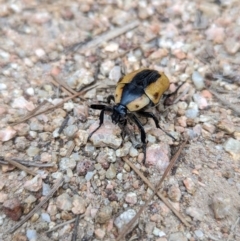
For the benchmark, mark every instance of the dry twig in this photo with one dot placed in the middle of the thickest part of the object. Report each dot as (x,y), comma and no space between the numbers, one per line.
(130,225)
(54,107)
(29,215)
(60,225)
(27,163)
(107,36)
(75,229)
(223,100)
(20,166)
(63,87)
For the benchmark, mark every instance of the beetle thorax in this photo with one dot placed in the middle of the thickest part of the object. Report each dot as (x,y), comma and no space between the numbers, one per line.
(119,113)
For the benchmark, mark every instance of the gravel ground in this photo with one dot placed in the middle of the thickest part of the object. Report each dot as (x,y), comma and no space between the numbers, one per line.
(50,52)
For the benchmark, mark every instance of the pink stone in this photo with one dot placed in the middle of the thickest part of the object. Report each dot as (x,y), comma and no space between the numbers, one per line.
(158,156)
(13,209)
(131,198)
(179,54)
(216,34)
(190,186)
(34,185)
(3,197)
(22,103)
(99,233)
(7,134)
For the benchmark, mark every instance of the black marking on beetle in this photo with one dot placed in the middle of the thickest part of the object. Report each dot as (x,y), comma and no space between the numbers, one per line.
(136,88)
(145,78)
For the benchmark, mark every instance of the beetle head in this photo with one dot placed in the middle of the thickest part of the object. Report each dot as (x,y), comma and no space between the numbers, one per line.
(119,113)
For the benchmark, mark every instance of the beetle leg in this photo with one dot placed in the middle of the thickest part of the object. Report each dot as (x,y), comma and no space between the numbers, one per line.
(143,135)
(109,98)
(151,115)
(101,117)
(123,126)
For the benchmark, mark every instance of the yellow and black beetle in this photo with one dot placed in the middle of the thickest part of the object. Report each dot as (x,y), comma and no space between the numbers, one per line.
(135,92)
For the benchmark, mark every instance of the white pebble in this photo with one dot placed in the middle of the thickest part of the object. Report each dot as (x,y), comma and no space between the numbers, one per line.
(124,218)
(119,176)
(68,106)
(157,232)
(31,235)
(3,86)
(198,80)
(89,176)
(45,217)
(40,53)
(30,91)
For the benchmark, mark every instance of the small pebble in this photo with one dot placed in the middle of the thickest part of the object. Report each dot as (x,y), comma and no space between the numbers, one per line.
(125,218)
(107,155)
(199,234)
(226,125)
(104,214)
(174,193)
(115,73)
(216,34)
(89,176)
(30,199)
(195,213)
(111,47)
(232,146)
(111,172)
(81,137)
(232,45)
(13,209)
(100,233)
(45,189)
(178,236)
(3,197)
(198,80)
(30,91)
(222,206)
(131,198)
(133,152)
(34,217)
(68,106)
(158,156)
(157,232)
(45,217)
(84,166)
(66,163)
(7,134)
(124,150)
(64,202)
(192,112)
(107,135)
(3,86)
(79,205)
(70,131)
(201,101)
(190,186)
(32,235)
(34,185)
(22,103)
(21,143)
(80,79)
(32,151)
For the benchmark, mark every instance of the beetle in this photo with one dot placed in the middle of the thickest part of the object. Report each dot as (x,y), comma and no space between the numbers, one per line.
(134,93)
